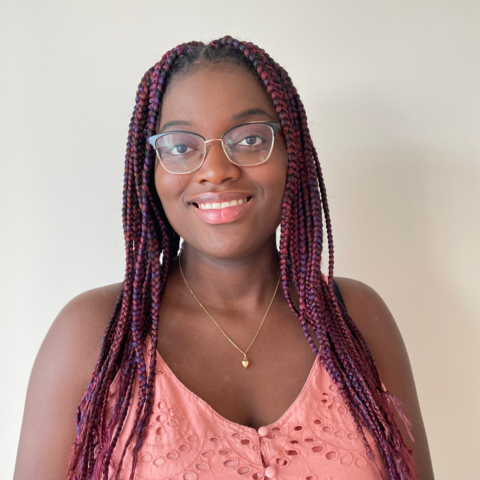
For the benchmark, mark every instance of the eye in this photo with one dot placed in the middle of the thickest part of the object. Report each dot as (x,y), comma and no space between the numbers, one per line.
(251,141)
(180,149)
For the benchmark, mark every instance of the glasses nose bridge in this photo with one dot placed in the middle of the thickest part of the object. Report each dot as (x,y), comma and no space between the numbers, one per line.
(207,146)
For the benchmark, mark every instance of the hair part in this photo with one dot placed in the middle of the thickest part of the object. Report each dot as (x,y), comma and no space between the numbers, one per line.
(205,56)
(151,245)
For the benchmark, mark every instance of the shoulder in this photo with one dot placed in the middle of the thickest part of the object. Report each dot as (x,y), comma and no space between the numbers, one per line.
(78,330)
(59,379)
(374,320)
(377,325)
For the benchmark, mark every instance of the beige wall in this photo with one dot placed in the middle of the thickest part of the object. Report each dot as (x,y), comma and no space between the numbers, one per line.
(392,94)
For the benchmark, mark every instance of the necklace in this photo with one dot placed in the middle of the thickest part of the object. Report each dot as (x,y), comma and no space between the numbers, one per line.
(245,361)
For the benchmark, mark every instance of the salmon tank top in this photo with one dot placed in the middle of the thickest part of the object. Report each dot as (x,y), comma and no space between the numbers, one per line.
(315,439)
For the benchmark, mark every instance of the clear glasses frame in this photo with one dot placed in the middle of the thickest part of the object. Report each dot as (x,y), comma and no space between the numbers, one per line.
(274,126)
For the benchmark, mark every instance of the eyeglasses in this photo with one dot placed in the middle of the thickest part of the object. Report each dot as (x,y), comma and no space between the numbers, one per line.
(245,145)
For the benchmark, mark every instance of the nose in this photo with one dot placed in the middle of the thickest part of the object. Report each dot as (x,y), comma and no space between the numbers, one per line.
(216,167)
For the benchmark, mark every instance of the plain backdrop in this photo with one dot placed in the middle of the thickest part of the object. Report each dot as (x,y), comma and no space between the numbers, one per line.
(392,93)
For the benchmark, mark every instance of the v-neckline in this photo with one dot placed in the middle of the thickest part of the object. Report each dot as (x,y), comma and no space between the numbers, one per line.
(281,420)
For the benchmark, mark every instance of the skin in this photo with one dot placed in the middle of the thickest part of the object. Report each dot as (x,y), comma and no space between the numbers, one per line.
(232,268)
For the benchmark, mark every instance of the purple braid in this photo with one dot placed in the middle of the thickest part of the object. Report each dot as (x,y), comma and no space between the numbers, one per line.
(151,245)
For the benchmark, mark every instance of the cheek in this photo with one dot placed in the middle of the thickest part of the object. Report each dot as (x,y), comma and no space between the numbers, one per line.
(169,189)
(277,177)
(271,182)
(276,182)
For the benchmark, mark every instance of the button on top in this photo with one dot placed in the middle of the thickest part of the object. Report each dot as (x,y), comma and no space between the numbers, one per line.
(263,431)
(270,472)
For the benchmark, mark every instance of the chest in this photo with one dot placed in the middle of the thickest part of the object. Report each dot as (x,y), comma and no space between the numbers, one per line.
(186,438)
(209,366)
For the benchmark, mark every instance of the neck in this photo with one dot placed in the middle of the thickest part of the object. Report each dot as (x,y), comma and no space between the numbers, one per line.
(232,283)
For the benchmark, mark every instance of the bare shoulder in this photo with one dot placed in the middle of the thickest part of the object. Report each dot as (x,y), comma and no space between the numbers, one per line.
(373,319)
(376,323)
(59,378)
(78,330)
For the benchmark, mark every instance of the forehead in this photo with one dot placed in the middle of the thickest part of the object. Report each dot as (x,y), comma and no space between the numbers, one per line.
(211,97)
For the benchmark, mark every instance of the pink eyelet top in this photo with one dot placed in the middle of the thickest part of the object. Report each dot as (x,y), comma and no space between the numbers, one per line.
(315,439)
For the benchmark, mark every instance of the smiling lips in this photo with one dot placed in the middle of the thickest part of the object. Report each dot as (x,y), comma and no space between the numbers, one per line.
(220,210)
(218,205)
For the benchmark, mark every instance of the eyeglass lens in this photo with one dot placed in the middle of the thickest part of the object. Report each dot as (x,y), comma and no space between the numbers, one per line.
(246,145)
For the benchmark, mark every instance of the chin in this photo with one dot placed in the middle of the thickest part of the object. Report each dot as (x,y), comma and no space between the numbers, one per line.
(231,240)
(222,250)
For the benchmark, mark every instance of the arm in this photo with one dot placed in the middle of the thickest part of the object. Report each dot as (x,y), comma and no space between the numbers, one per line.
(59,378)
(378,326)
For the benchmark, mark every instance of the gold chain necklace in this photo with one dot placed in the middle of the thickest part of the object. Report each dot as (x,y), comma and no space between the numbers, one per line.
(245,361)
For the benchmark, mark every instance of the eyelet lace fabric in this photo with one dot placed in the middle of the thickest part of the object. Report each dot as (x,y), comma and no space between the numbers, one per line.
(315,439)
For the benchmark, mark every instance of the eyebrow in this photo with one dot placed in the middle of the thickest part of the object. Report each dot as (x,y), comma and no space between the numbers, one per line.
(250,112)
(238,116)
(175,123)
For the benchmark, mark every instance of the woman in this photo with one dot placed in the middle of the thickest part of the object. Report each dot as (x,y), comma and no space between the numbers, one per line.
(205,367)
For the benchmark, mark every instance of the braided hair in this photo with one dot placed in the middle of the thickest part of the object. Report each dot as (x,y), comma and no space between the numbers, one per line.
(151,245)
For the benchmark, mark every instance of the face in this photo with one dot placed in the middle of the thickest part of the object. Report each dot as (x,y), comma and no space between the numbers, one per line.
(208,102)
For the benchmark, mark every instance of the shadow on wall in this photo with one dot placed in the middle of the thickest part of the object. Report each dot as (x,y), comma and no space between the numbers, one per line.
(406,219)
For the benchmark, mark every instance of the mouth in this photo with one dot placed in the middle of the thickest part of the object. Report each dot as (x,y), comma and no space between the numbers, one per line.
(225,211)
(221,205)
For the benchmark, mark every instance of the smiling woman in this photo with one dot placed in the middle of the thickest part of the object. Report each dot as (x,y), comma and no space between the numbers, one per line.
(219,155)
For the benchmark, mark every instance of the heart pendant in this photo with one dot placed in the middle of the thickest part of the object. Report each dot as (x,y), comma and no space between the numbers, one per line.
(245,363)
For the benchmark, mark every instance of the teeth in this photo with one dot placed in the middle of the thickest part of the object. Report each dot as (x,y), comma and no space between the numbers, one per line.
(217,205)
